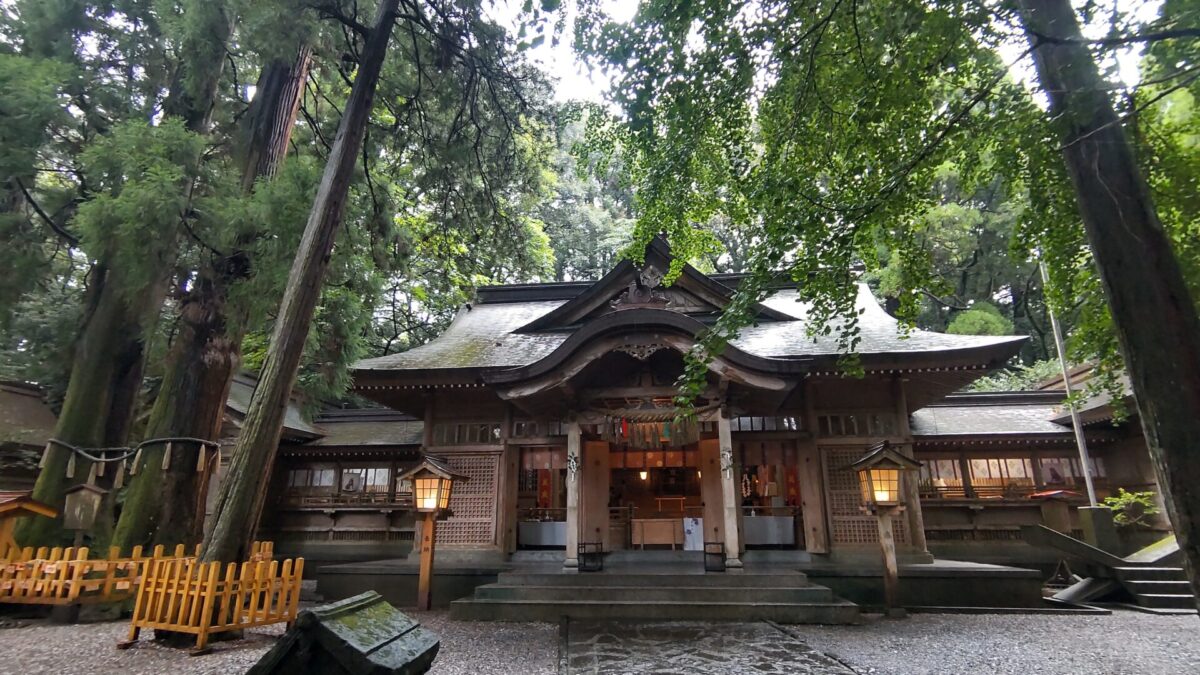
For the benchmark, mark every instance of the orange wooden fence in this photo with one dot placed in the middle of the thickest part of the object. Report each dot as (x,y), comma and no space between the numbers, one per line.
(57,576)
(187,596)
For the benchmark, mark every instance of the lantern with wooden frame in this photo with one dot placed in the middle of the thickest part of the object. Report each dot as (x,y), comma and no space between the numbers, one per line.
(880,475)
(432,482)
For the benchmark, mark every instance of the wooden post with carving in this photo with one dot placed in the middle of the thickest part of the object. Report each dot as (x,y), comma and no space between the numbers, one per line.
(571,559)
(425,580)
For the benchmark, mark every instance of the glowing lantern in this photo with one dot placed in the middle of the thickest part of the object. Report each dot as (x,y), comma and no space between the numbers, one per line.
(879,475)
(432,482)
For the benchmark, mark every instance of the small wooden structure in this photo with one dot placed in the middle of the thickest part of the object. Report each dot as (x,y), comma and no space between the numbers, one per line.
(188,596)
(14,505)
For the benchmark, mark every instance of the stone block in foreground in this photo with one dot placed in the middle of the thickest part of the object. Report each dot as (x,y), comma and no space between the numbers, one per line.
(362,635)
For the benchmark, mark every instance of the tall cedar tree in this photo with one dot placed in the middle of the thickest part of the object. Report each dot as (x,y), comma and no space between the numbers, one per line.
(109,353)
(165,506)
(242,492)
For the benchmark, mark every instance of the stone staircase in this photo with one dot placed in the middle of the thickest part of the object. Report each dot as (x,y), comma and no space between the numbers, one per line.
(1151,576)
(1157,588)
(650,593)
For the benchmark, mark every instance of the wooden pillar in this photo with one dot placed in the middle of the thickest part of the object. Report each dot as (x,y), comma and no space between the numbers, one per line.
(510,480)
(891,572)
(911,480)
(812,481)
(711,490)
(427,430)
(574,466)
(964,469)
(593,498)
(729,492)
(425,580)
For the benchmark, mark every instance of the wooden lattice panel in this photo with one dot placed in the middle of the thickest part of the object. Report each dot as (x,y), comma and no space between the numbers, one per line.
(473,502)
(850,524)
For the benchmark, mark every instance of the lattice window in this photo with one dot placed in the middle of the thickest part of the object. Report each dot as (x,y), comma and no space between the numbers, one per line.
(856,424)
(787,423)
(466,433)
(850,524)
(473,502)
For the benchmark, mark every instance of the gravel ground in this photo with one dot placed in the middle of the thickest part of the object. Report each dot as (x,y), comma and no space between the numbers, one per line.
(468,648)
(41,647)
(1123,643)
(485,648)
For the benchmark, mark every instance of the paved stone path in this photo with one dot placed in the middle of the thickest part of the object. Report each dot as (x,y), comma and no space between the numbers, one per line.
(690,648)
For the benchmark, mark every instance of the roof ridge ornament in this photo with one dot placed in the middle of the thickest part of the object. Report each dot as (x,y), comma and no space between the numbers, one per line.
(643,291)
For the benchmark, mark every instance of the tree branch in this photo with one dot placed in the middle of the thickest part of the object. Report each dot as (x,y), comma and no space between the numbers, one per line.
(71,239)
(1155,36)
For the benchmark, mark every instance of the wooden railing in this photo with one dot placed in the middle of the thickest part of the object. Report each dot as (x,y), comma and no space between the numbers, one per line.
(187,596)
(57,576)
(348,500)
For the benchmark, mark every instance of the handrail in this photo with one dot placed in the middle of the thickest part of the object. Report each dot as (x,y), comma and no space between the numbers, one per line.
(349,499)
(753,511)
(542,515)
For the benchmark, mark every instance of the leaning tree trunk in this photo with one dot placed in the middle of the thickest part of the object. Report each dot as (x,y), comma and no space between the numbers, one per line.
(1153,312)
(106,369)
(166,506)
(244,488)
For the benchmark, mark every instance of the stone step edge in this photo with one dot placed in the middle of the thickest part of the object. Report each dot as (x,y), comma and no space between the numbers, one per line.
(816,587)
(836,602)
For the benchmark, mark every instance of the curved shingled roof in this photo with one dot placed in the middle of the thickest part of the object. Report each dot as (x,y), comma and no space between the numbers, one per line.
(487,336)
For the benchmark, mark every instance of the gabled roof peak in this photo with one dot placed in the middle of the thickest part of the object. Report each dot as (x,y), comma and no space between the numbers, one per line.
(640,286)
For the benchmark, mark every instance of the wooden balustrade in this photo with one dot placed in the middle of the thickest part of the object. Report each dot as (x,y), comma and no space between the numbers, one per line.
(187,596)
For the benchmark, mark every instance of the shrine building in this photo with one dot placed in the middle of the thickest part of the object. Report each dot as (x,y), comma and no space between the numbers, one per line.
(557,401)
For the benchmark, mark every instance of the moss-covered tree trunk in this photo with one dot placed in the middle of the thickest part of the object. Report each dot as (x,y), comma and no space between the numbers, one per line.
(167,506)
(106,368)
(243,491)
(1154,315)
(110,326)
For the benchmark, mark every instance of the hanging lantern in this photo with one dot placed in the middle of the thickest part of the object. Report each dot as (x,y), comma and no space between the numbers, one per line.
(879,475)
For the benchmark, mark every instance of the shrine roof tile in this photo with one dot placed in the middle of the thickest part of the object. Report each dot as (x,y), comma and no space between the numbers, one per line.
(486,336)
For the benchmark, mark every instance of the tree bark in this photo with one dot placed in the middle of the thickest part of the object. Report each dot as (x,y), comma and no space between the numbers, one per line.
(167,506)
(106,370)
(1153,312)
(243,491)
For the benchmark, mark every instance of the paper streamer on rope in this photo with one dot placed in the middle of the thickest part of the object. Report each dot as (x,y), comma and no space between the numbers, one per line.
(45,453)
(166,463)
(71,466)
(137,461)
(201,458)
(119,479)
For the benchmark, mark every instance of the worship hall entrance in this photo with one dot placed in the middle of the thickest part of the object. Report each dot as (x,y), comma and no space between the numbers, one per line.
(660,498)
